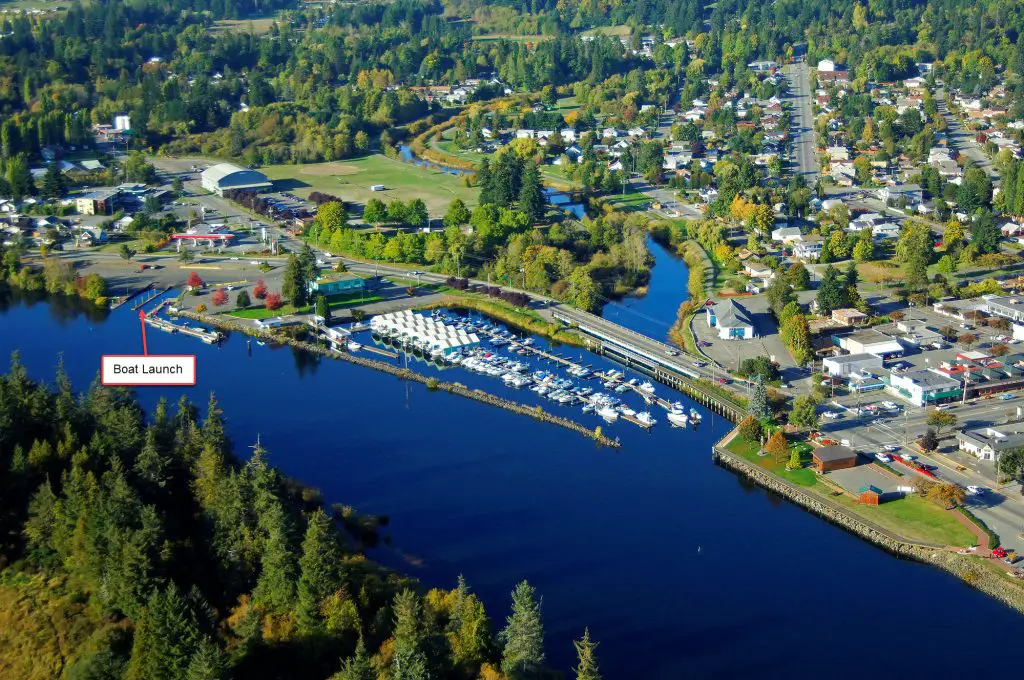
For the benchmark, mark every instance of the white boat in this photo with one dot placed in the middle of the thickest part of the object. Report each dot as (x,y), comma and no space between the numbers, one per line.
(694,416)
(588,408)
(608,413)
(647,387)
(627,411)
(354,346)
(646,419)
(678,418)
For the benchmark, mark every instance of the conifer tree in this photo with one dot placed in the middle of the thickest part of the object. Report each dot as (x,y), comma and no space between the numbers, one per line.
(357,667)
(523,636)
(758,404)
(586,667)
(531,198)
(318,566)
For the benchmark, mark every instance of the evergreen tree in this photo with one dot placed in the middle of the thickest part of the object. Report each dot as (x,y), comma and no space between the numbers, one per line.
(985,235)
(409,661)
(586,666)
(319,577)
(54,183)
(758,403)
(208,662)
(275,589)
(357,667)
(293,283)
(830,291)
(485,182)
(19,178)
(523,636)
(323,308)
(166,638)
(531,198)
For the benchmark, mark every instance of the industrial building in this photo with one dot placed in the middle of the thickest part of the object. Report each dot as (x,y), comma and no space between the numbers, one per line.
(849,364)
(870,341)
(225,176)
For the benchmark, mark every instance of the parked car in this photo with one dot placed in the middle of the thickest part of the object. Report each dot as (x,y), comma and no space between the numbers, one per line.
(891,448)
(973,490)
(909,457)
(999,552)
(1008,397)
(883,458)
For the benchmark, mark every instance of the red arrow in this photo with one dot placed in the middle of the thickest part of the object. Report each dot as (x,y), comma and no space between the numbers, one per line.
(142,320)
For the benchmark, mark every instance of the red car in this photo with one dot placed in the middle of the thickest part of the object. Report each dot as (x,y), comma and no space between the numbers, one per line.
(999,552)
(723,381)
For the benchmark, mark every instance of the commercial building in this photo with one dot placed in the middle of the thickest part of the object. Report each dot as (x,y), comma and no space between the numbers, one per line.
(849,317)
(224,176)
(731,319)
(988,442)
(850,364)
(829,458)
(1008,306)
(925,387)
(98,202)
(870,342)
(337,284)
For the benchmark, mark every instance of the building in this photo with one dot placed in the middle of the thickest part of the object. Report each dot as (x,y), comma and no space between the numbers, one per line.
(865,381)
(786,235)
(924,387)
(337,284)
(1008,306)
(851,364)
(98,202)
(225,176)
(829,458)
(869,495)
(988,442)
(731,319)
(905,194)
(849,317)
(808,248)
(826,66)
(870,341)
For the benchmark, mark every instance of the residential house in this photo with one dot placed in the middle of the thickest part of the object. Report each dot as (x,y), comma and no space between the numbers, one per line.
(988,442)
(731,319)
(808,248)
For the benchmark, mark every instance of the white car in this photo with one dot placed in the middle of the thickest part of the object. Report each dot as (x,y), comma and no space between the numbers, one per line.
(909,457)
(883,458)
(255,262)
(830,415)
(974,490)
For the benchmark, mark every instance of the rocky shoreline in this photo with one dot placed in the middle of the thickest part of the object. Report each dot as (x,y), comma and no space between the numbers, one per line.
(535,412)
(966,567)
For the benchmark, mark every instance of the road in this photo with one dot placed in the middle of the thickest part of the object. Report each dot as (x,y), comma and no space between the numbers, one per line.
(802,136)
(963,140)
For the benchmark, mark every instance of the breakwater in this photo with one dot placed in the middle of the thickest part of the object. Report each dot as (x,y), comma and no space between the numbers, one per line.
(535,412)
(989,578)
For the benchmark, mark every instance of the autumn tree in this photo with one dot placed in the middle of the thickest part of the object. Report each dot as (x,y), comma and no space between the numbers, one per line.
(777,446)
(194,280)
(259,291)
(220,297)
(273,301)
(750,429)
(940,420)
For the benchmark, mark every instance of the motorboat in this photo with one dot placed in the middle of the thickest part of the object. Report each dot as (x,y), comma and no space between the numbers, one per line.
(608,413)
(647,387)
(627,411)
(678,417)
(646,419)
(353,346)
(622,388)
(694,416)
(589,408)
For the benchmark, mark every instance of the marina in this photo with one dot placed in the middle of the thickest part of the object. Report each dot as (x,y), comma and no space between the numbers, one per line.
(207,336)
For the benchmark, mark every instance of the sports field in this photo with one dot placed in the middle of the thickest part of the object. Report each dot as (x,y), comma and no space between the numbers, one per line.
(352,179)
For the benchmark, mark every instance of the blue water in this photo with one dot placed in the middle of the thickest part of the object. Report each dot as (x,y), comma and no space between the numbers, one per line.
(654,312)
(406,154)
(678,567)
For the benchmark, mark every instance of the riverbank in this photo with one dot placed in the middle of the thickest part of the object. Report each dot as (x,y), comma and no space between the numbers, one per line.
(524,320)
(985,575)
(535,412)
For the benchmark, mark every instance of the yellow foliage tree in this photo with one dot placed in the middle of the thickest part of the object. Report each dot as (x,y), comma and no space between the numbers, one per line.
(777,446)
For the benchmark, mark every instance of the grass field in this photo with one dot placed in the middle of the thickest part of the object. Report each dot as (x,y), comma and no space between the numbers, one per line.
(336,302)
(630,201)
(911,517)
(256,26)
(351,180)
(513,37)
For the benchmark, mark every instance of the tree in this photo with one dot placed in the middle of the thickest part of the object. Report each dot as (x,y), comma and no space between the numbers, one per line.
(777,446)
(985,235)
(758,403)
(242,300)
(358,666)
(259,291)
(795,463)
(273,301)
(457,214)
(803,414)
(126,251)
(138,169)
(416,212)
(323,308)
(762,368)
(750,429)
(19,177)
(178,186)
(965,340)
(319,577)
(586,665)
(375,211)
(54,182)
(941,420)
(830,291)
(943,493)
(999,350)
(779,294)
(195,281)
(583,291)
(220,297)
(331,215)
(531,198)
(930,441)
(294,283)
(523,636)
(1011,463)
(798,276)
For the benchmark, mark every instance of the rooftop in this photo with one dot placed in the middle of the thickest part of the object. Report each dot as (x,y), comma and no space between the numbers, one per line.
(830,453)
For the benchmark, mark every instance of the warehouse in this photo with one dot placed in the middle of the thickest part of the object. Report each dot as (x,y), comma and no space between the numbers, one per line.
(849,364)
(870,341)
(224,176)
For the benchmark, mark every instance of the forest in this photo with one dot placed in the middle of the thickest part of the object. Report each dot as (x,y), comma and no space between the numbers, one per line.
(165,557)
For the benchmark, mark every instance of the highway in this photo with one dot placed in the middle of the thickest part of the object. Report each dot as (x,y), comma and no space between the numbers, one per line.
(802,136)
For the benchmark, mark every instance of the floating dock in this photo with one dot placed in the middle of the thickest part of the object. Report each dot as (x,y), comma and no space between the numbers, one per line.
(148,297)
(209,337)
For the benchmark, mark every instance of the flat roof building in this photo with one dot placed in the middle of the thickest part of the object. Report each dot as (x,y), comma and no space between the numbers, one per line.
(870,341)
(225,176)
(1009,306)
(925,387)
(849,364)
(337,284)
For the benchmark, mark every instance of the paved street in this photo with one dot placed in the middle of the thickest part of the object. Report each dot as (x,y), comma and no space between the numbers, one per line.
(803,140)
(963,140)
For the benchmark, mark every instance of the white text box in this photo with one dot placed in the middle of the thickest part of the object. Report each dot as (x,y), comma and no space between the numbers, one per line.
(148,370)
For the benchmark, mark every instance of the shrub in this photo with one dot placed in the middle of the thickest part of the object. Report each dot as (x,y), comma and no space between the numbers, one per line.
(201,308)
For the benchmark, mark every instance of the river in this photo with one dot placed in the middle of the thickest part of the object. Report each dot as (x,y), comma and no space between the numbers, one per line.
(654,312)
(679,568)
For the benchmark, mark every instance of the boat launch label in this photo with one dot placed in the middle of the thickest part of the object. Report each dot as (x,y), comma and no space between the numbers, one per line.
(140,370)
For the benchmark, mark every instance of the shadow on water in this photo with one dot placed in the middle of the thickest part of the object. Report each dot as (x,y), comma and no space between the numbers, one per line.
(62,309)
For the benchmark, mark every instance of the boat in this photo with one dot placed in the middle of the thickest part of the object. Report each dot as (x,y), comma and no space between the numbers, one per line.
(589,408)
(678,418)
(353,346)
(646,419)
(622,388)
(647,387)
(694,416)
(627,411)
(608,413)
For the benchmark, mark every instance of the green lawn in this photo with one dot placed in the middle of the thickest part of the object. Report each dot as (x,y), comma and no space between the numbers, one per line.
(631,201)
(335,302)
(352,179)
(911,517)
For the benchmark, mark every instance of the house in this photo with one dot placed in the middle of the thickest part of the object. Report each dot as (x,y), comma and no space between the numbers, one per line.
(758,271)
(731,319)
(525,134)
(337,284)
(885,230)
(828,458)
(849,317)
(786,235)
(826,66)
(1012,229)
(909,194)
(226,176)
(850,364)
(988,442)
(808,247)
(838,153)
(924,387)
